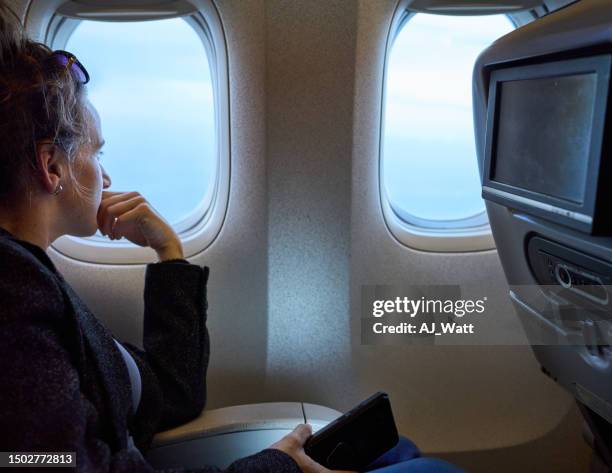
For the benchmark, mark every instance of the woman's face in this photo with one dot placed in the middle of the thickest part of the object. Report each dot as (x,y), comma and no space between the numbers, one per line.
(91,179)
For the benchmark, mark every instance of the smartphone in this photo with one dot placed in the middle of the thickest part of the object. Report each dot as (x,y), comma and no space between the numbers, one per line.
(357,438)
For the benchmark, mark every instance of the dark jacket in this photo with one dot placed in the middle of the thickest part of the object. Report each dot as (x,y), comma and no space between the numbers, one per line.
(64,386)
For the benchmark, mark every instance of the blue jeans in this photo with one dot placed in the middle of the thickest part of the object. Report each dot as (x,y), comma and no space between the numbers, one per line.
(405,457)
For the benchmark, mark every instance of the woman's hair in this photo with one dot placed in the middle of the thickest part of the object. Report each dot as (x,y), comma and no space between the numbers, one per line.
(39,100)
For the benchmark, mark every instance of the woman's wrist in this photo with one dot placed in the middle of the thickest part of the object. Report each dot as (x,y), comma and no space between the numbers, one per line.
(170,251)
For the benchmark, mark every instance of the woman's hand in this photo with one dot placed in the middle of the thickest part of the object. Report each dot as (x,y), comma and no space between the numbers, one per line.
(293,445)
(129,215)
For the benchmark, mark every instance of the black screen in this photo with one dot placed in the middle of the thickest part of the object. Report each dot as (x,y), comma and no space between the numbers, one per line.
(544,134)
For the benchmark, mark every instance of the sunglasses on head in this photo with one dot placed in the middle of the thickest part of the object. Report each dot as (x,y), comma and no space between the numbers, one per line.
(72,64)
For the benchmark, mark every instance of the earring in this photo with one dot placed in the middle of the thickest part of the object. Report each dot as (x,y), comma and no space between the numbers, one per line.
(58,189)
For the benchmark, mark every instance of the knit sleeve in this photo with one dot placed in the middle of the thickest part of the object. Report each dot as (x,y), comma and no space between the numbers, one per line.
(174,361)
(268,460)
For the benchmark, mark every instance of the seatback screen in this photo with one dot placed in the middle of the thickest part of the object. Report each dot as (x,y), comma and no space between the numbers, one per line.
(543,134)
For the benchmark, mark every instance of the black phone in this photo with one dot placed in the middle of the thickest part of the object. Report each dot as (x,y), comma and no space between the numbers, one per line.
(357,438)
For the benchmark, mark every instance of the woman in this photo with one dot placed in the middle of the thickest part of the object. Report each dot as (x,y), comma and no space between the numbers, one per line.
(66,384)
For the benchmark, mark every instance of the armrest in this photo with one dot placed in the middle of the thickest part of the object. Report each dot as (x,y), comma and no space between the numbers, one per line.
(266,416)
(220,436)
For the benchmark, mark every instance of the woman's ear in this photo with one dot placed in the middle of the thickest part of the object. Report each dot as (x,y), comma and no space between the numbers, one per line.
(50,166)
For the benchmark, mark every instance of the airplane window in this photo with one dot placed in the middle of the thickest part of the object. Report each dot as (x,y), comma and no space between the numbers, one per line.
(429,166)
(151,84)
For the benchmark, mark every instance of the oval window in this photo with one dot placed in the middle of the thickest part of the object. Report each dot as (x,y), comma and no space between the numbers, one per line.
(429,165)
(151,84)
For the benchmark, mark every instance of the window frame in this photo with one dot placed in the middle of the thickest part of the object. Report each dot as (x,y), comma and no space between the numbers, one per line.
(198,230)
(412,231)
